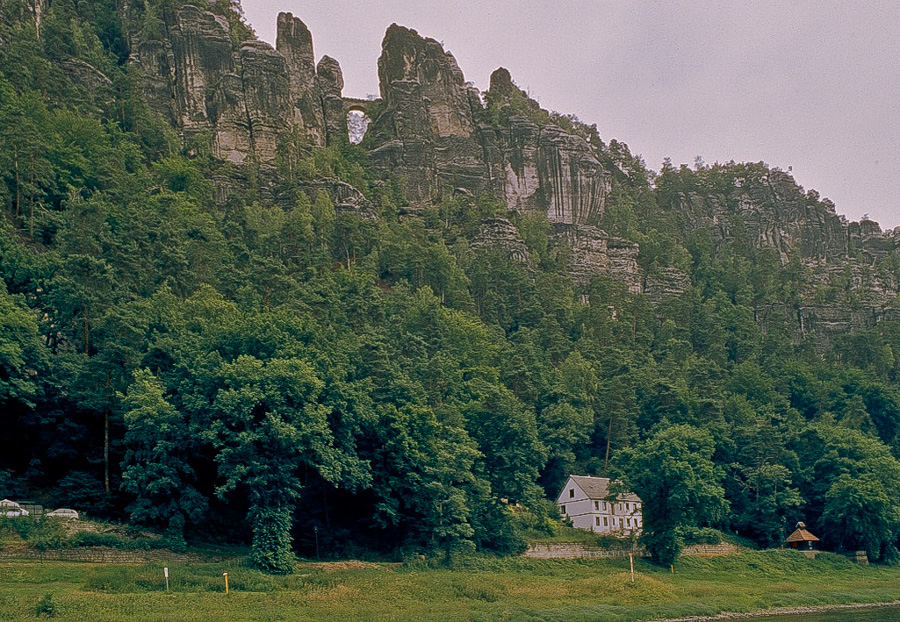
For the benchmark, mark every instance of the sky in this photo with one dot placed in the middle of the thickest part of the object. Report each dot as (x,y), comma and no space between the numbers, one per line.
(814,86)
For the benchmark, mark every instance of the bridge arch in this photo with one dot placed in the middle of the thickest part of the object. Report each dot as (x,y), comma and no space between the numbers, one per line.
(357,113)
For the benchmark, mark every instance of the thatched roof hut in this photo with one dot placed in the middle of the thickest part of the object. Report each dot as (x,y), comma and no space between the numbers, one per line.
(801,538)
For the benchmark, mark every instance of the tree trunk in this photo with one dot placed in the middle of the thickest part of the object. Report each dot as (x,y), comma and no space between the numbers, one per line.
(106,451)
(608,442)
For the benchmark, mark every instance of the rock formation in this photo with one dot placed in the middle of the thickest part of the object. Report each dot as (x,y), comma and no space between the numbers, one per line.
(295,43)
(427,126)
(542,167)
(501,234)
(767,211)
(240,98)
(437,136)
(842,290)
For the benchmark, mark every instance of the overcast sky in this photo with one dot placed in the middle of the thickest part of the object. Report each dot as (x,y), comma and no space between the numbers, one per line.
(810,85)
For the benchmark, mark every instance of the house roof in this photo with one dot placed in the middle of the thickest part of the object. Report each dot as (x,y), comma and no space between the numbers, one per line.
(801,535)
(598,488)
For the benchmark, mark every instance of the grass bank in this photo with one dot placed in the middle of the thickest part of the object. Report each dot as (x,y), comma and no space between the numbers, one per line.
(477,589)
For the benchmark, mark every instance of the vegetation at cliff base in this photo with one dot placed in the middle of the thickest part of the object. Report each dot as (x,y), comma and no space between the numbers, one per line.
(230,354)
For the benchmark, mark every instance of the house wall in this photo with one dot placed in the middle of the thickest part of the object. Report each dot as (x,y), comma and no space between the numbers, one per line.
(598,516)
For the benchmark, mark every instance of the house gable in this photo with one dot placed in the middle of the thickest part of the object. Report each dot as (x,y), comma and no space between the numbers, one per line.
(586,502)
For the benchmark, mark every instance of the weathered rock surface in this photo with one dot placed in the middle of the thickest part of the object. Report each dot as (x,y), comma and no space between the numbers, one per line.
(435,135)
(427,124)
(543,168)
(665,283)
(295,43)
(330,83)
(501,234)
(843,288)
(768,211)
(594,252)
(241,99)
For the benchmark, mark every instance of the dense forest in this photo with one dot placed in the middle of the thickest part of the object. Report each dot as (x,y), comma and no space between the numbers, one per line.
(234,367)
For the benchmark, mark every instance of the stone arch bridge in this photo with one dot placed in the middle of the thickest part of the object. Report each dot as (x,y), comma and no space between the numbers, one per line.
(366,106)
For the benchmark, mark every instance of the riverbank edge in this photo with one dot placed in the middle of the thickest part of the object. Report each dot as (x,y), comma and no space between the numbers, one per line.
(781,611)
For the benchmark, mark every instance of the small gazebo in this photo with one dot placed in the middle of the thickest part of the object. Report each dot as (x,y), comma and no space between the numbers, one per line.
(801,538)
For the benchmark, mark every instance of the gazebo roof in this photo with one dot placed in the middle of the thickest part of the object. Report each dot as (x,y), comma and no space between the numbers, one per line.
(801,535)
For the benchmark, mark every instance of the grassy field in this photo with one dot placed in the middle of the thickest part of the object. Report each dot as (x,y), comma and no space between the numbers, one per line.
(477,589)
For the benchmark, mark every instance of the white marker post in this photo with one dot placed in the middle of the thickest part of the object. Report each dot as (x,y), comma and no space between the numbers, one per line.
(166,574)
(631,560)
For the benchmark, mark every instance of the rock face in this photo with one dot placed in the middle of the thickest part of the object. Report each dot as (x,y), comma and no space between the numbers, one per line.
(426,131)
(842,290)
(433,132)
(593,251)
(768,211)
(330,82)
(437,136)
(666,283)
(240,99)
(294,42)
(542,167)
(500,234)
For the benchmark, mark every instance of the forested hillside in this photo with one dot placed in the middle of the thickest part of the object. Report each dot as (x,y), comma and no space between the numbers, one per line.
(220,318)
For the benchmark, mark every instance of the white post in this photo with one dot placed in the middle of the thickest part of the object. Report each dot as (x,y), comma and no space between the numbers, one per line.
(631,561)
(166,573)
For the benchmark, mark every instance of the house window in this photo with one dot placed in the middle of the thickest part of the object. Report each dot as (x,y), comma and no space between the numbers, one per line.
(596,505)
(628,521)
(597,519)
(571,492)
(604,506)
(605,522)
(562,509)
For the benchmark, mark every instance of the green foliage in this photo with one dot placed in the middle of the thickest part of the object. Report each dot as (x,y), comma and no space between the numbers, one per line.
(46,534)
(46,607)
(272,540)
(224,352)
(679,486)
(117,541)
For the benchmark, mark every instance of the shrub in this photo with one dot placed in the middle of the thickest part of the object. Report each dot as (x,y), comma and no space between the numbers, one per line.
(46,607)
(92,538)
(46,534)
(700,535)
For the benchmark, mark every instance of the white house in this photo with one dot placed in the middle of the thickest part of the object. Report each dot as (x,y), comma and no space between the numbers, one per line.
(584,501)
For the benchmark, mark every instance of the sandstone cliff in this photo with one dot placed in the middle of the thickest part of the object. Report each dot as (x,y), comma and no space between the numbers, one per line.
(240,98)
(439,137)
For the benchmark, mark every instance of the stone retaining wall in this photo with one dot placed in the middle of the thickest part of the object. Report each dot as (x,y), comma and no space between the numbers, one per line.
(105,555)
(569,550)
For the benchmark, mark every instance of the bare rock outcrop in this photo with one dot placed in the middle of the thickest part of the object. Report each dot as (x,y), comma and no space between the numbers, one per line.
(500,234)
(427,125)
(542,167)
(665,283)
(765,208)
(594,252)
(243,98)
(294,41)
(330,83)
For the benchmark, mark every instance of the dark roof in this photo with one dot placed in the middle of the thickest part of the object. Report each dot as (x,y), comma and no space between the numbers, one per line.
(598,488)
(801,535)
